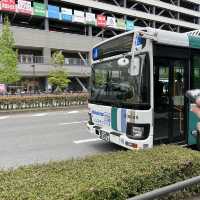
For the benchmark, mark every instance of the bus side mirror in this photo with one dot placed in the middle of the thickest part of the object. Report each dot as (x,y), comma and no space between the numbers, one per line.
(135,66)
(122,62)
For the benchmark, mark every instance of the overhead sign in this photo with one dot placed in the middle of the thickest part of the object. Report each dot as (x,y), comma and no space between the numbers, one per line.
(95,54)
(66,14)
(129,25)
(39,9)
(53,12)
(8,5)
(139,41)
(24,7)
(101,21)
(79,16)
(90,19)
(121,24)
(111,22)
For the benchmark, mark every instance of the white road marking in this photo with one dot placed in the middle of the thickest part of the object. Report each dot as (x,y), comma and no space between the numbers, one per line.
(73,112)
(4,117)
(69,123)
(87,140)
(39,114)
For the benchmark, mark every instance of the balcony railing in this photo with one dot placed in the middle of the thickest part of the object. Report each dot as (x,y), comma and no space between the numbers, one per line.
(31,59)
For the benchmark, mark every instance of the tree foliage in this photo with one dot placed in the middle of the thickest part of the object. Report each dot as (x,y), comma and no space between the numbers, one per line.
(58,58)
(100,79)
(58,77)
(8,56)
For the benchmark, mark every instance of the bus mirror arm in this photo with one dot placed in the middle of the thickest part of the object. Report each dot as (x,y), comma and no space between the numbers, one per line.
(134,67)
(131,70)
(136,63)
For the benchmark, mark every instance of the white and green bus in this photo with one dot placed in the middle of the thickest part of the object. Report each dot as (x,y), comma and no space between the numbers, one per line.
(138,82)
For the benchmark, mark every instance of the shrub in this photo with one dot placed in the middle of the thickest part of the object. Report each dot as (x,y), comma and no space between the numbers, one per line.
(111,176)
(43,101)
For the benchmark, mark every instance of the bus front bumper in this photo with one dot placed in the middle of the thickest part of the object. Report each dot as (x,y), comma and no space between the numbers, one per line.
(119,138)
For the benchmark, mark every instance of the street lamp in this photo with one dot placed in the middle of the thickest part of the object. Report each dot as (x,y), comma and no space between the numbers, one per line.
(33,67)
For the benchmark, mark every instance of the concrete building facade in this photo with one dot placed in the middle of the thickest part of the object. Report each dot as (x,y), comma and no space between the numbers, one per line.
(41,27)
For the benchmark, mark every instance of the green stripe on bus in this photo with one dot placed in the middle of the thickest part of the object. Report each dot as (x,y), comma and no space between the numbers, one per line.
(114,118)
(194,41)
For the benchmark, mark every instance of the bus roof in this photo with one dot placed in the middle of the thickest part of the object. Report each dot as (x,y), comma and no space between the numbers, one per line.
(188,39)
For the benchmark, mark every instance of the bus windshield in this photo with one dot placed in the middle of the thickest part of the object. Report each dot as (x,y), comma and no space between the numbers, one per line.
(113,85)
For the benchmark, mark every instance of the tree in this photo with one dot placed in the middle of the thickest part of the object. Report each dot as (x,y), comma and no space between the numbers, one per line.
(8,56)
(58,59)
(58,77)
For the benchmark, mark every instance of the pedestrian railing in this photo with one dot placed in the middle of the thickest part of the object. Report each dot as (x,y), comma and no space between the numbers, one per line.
(161,192)
(31,59)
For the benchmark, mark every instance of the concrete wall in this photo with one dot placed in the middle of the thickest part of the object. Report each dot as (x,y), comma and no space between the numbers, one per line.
(33,38)
(41,70)
(26,37)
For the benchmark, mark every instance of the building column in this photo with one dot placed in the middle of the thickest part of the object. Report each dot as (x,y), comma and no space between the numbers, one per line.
(48,87)
(125,3)
(90,27)
(199,17)
(178,16)
(125,6)
(154,12)
(46,20)
(47,55)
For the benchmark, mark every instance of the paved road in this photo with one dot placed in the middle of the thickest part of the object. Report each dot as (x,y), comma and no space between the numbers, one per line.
(41,137)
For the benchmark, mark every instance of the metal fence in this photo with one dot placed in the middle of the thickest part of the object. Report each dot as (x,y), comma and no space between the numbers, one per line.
(161,192)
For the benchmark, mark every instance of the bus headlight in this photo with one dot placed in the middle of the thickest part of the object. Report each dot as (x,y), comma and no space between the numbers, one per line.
(137,131)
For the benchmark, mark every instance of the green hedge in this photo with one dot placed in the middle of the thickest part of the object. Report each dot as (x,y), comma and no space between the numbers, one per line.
(111,176)
(43,101)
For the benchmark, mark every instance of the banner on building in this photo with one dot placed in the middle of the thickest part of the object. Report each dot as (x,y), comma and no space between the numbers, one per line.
(101,21)
(66,14)
(121,24)
(111,22)
(8,5)
(90,19)
(53,12)
(129,25)
(24,6)
(79,16)
(39,9)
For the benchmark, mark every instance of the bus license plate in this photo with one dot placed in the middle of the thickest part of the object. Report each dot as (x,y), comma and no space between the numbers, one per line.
(104,136)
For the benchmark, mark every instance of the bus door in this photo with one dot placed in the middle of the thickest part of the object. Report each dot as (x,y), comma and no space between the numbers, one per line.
(194,84)
(169,99)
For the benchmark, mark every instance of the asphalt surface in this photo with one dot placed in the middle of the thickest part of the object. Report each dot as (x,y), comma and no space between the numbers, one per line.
(35,138)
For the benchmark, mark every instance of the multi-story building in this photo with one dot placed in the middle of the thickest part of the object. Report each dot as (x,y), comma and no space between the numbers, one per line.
(41,27)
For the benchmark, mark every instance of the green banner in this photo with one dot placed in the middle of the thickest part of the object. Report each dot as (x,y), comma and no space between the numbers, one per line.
(121,24)
(39,9)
